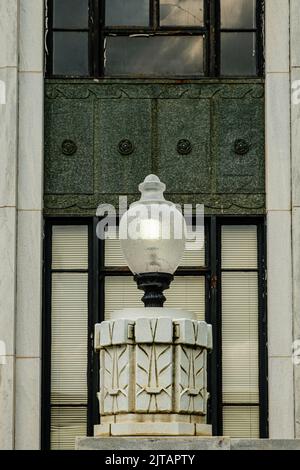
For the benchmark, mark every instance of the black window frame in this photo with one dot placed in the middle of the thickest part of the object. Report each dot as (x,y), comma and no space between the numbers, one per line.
(213,315)
(211,32)
(93,317)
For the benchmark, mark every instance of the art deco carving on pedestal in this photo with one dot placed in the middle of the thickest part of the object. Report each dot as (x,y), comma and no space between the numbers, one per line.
(153,370)
(154,365)
(115,367)
(190,360)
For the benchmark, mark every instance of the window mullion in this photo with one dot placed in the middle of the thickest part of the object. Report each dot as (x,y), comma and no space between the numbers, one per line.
(213,9)
(154,9)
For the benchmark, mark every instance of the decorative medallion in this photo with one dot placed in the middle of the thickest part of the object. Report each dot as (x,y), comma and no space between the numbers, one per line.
(184,147)
(241,147)
(68,147)
(126,147)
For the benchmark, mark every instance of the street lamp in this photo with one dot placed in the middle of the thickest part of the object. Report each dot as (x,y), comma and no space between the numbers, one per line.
(153,361)
(152,236)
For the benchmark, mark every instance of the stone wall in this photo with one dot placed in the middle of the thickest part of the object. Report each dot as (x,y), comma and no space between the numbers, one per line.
(21,153)
(295,162)
(282,168)
(21,181)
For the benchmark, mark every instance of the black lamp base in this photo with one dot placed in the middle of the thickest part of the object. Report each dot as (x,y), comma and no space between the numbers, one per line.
(153,284)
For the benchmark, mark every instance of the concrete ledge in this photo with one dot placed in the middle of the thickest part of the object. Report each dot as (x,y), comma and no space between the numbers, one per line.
(265,444)
(152,443)
(183,443)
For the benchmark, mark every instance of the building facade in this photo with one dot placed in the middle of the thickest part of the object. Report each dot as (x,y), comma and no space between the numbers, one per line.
(93,99)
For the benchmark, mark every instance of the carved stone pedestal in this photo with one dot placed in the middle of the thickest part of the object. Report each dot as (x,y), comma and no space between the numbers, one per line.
(153,373)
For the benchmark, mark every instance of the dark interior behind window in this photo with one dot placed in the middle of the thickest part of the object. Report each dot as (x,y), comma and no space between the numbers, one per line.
(154,38)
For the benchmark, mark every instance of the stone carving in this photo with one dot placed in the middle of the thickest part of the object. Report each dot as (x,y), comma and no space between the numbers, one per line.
(115,366)
(154,116)
(153,372)
(154,364)
(184,147)
(241,147)
(125,147)
(191,380)
(115,371)
(190,362)
(68,147)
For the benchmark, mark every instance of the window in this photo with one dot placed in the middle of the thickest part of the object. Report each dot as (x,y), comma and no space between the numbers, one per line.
(154,38)
(240,330)
(86,279)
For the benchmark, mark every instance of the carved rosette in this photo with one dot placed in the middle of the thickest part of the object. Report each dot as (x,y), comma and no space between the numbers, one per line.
(153,376)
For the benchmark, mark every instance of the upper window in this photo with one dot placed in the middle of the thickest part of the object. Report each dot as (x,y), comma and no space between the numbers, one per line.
(154,38)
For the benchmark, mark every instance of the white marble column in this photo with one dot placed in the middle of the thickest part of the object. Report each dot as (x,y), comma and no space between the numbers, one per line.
(30,226)
(8,216)
(21,195)
(295,148)
(278,188)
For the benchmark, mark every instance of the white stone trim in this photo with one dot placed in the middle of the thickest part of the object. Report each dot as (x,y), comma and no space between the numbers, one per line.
(21,196)
(283,197)
(295,149)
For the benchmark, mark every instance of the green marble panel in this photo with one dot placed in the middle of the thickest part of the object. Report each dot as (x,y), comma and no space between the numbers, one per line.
(239,144)
(187,120)
(117,121)
(223,120)
(69,130)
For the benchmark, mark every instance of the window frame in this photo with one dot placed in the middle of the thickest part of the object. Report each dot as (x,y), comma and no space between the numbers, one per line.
(211,32)
(216,321)
(93,317)
(213,315)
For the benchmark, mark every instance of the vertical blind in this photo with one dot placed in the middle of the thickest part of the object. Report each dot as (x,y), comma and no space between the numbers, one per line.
(69,323)
(240,361)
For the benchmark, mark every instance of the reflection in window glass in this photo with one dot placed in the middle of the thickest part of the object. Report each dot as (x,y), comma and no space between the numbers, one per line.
(238,54)
(70,14)
(181,12)
(70,53)
(127,13)
(154,56)
(238,14)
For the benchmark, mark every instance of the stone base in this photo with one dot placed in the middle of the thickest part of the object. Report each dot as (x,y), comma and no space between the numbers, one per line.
(183,443)
(152,443)
(152,429)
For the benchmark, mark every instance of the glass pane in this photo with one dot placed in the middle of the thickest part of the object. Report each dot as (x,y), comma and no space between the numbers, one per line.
(69,333)
(241,421)
(187,292)
(238,14)
(240,337)
(154,56)
(66,425)
(127,13)
(238,54)
(121,292)
(181,12)
(70,14)
(70,53)
(69,247)
(239,246)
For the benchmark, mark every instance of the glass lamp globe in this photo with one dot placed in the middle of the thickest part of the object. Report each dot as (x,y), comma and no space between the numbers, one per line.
(152,237)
